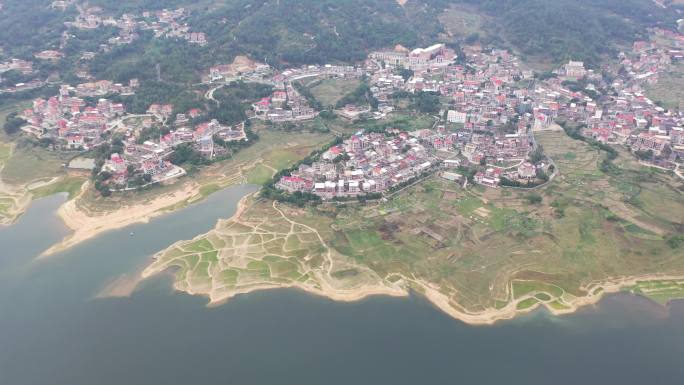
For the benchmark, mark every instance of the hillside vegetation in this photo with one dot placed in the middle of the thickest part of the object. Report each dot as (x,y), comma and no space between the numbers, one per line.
(293,32)
(314,31)
(278,32)
(559,30)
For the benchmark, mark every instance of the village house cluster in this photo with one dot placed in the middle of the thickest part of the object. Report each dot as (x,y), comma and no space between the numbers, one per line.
(286,104)
(257,72)
(25,68)
(493,108)
(364,164)
(105,87)
(488,124)
(68,120)
(164,24)
(377,163)
(622,113)
(488,103)
(71,123)
(419,59)
(149,160)
(483,92)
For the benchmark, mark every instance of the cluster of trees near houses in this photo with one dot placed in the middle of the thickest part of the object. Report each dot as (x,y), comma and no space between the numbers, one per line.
(309,96)
(230,106)
(424,101)
(233,101)
(606,164)
(13,123)
(361,96)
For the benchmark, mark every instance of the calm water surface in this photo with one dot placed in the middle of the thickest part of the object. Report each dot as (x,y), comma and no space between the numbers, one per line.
(54,331)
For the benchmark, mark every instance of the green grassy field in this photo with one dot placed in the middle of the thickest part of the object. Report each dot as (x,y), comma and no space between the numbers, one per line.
(70,184)
(659,291)
(526,304)
(329,91)
(403,121)
(259,175)
(29,163)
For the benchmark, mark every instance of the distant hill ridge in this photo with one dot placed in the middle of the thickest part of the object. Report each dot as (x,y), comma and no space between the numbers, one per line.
(294,32)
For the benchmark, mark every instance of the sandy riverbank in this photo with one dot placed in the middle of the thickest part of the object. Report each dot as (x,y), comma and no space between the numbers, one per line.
(442,302)
(86,226)
(490,316)
(218,298)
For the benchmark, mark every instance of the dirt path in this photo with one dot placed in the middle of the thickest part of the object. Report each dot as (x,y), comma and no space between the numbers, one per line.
(320,238)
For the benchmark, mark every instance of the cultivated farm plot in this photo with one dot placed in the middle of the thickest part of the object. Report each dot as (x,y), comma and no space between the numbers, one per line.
(645,197)
(257,250)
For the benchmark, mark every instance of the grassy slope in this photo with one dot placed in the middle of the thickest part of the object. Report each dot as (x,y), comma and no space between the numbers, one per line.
(669,89)
(30,163)
(329,91)
(69,184)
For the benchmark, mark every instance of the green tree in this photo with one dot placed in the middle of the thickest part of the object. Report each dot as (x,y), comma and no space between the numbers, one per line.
(13,123)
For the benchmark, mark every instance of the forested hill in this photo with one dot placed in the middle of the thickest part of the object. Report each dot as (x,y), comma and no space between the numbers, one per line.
(298,31)
(558,30)
(27,26)
(293,32)
(315,31)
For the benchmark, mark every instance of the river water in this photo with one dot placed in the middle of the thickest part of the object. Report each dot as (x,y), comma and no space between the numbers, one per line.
(55,330)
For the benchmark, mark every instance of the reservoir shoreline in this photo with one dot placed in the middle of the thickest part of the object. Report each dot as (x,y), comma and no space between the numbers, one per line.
(402,288)
(53,325)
